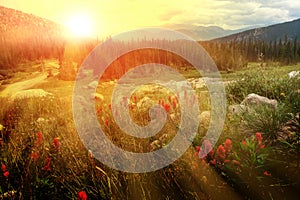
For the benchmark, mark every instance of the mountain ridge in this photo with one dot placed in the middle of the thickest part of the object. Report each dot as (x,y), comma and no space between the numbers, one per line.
(290,29)
(203,33)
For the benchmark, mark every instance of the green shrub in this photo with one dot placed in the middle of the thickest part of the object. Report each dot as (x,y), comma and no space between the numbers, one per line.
(266,120)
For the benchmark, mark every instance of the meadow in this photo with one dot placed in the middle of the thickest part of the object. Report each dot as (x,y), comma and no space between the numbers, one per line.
(256,156)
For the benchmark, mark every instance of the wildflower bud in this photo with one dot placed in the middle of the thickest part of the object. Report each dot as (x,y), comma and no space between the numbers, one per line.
(82,195)
(56,142)
(6,174)
(3,167)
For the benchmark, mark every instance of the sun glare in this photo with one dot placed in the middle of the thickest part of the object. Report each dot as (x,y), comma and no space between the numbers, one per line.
(80,25)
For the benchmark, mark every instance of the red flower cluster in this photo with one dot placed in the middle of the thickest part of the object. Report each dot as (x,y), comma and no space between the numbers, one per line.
(34,156)
(221,152)
(39,138)
(244,143)
(167,107)
(259,139)
(221,156)
(5,171)
(228,145)
(82,195)
(99,110)
(267,173)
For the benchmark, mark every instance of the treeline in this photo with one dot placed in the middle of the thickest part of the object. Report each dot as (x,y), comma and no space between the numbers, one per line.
(236,54)
(27,37)
(157,51)
(20,45)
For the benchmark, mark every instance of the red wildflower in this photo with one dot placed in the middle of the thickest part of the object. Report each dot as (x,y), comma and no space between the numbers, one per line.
(213,162)
(267,173)
(106,122)
(228,145)
(244,143)
(3,167)
(47,165)
(221,152)
(131,107)
(34,156)
(134,99)
(39,139)
(56,142)
(6,174)
(99,110)
(226,161)
(258,137)
(169,98)
(174,104)
(167,107)
(82,195)
(198,149)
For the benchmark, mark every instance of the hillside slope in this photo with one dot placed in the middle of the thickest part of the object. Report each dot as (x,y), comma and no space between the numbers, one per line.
(291,30)
(27,37)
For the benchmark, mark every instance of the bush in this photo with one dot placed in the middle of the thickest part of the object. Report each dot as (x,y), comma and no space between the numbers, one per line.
(266,120)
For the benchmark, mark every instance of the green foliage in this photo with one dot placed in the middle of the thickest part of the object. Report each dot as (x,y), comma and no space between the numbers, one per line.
(268,83)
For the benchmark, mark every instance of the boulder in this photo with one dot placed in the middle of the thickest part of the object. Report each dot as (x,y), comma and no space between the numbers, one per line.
(236,109)
(205,119)
(255,100)
(293,74)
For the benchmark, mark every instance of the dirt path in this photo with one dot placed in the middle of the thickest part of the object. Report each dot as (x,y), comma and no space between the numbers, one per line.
(22,85)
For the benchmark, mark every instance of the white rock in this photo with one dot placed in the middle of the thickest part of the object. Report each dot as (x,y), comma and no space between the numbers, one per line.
(205,119)
(254,99)
(236,109)
(293,74)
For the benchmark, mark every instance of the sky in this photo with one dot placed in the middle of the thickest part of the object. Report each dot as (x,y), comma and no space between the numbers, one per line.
(108,17)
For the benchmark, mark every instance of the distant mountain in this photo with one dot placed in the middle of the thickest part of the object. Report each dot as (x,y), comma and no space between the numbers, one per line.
(202,33)
(291,30)
(11,20)
(27,37)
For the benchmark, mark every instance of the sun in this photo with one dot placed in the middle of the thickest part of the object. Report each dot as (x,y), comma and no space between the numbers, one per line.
(80,25)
